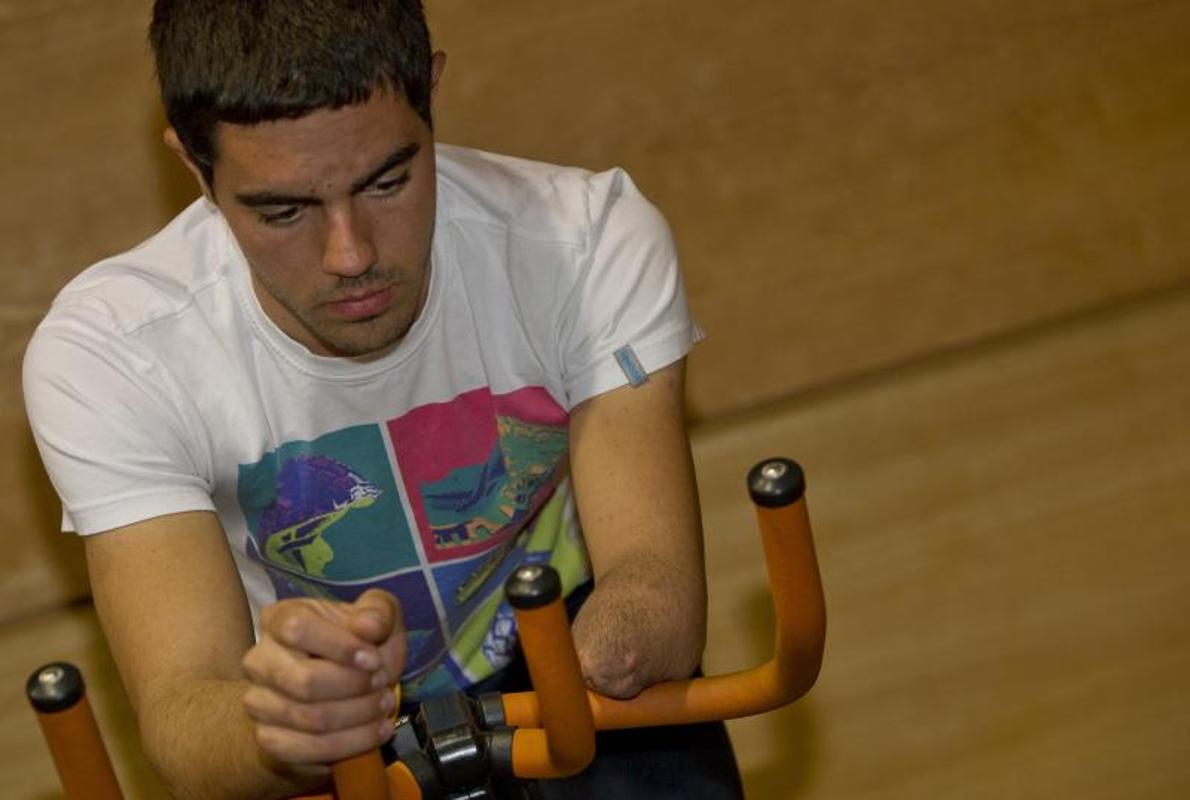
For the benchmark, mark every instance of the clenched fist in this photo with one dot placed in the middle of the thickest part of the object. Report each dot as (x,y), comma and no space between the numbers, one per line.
(321,675)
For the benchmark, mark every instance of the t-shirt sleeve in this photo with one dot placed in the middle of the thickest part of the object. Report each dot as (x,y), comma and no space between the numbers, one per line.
(111,431)
(626,316)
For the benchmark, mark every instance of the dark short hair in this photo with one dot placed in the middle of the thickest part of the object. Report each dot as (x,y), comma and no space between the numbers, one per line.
(249,61)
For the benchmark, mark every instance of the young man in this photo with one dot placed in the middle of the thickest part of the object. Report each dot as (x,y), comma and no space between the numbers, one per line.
(310,427)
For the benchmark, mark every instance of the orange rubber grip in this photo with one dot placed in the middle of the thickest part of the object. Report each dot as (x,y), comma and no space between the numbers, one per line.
(366,778)
(79,753)
(362,778)
(800,639)
(561,741)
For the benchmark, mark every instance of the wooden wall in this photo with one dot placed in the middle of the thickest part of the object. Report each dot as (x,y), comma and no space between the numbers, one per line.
(864,194)
(84,176)
(854,184)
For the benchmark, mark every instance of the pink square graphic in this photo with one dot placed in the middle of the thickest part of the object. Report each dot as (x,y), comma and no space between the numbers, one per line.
(477,468)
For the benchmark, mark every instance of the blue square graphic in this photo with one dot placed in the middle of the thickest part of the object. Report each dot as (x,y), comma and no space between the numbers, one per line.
(327,510)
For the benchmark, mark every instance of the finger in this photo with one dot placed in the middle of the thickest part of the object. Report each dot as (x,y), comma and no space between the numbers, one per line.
(318,629)
(393,654)
(376,606)
(268,707)
(307,679)
(375,615)
(297,747)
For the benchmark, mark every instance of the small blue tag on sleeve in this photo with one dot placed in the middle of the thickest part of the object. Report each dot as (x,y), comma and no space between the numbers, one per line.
(626,358)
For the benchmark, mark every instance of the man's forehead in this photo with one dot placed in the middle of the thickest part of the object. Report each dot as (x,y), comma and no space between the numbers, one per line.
(349,139)
(381,110)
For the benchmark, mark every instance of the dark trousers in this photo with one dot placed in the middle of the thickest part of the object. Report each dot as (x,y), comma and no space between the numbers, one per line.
(680,761)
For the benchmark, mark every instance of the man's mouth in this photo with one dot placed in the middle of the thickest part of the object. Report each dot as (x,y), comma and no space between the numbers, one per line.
(362,306)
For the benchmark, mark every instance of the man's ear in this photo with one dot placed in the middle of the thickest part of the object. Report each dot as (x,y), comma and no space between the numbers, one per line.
(437,65)
(174,143)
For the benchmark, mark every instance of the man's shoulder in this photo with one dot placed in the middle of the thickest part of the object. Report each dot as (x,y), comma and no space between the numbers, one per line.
(532,199)
(537,200)
(157,279)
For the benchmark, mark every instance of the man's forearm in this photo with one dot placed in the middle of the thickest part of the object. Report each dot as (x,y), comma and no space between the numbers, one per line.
(645,622)
(203,744)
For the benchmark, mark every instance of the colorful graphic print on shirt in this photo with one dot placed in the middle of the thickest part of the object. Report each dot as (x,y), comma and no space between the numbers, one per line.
(470,490)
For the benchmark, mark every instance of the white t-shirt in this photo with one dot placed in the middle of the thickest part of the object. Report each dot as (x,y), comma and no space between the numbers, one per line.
(156,384)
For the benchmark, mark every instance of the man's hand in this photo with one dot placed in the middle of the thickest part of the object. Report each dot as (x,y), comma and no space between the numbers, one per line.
(320,678)
(208,728)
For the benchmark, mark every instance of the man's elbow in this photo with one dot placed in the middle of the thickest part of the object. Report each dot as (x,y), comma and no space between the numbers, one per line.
(185,726)
(632,669)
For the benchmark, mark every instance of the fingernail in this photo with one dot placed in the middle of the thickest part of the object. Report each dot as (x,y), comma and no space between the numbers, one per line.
(366,660)
(379,679)
(386,702)
(372,613)
(386,730)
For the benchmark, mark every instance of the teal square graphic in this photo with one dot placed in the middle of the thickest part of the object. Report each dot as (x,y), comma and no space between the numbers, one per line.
(328,510)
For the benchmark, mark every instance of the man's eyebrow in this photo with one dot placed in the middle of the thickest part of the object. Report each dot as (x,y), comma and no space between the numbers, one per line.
(399,157)
(269,198)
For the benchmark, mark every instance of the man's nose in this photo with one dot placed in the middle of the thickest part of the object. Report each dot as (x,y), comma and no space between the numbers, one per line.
(348,250)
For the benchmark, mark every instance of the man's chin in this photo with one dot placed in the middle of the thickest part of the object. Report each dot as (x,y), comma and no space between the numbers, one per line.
(356,342)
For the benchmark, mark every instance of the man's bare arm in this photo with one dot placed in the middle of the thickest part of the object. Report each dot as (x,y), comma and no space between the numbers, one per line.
(638,503)
(171,604)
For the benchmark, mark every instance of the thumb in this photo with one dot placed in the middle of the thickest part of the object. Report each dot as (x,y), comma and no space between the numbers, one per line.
(375,615)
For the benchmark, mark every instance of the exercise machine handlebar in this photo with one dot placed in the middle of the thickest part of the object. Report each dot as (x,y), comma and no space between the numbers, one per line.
(555,722)
(554,725)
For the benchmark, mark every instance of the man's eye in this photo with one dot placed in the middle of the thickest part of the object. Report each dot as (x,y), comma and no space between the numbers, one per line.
(281,216)
(389,185)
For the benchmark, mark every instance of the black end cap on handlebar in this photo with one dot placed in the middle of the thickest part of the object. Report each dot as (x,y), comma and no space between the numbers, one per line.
(776,482)
(533,586)
(55,687)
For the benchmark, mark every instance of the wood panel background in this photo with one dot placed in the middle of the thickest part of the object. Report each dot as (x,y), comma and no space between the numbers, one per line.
(942,253)
(858,181)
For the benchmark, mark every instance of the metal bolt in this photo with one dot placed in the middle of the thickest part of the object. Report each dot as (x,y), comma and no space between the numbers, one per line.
(774,470)
(529,572)
(51,677)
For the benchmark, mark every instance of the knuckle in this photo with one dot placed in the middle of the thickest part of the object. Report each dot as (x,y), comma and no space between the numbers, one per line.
(254,702)
(290,628)
(304,684)
(250,663)
(382,600)
(297,683)
(268,738)
(311,718)
(380,736)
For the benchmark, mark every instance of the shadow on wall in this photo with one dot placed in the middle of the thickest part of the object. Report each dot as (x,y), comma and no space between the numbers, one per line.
(64,566)
(118,725)
(791,772)
(790,737)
